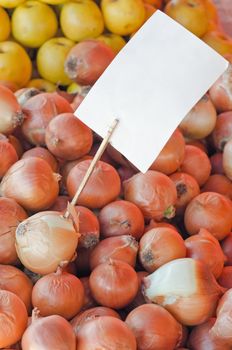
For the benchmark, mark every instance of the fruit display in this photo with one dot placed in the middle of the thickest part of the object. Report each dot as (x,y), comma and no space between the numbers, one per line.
(142,260)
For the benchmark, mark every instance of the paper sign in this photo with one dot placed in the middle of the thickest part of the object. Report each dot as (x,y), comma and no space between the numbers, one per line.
(150,86)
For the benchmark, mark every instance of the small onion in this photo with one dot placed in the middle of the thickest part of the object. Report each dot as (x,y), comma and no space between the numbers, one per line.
(47,333)
(121,218)
(150,323)
(159,246)
(218,183)
(58,293)
(123,248)
(209,210)
(8,156)
(13,319)
(114,284)
(217,164)
(225,279)
(31,183)
(89,301)
(102,188)
(105,332)
(205,247)
(88,227)
(43,153)
(153,192)
(186,288)
(222,132)
(226,159)
(11,114)
(44,240)
(226,245)
(11,214)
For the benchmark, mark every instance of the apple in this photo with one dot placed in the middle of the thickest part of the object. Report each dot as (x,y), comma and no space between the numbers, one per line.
(4,25)
(116,42)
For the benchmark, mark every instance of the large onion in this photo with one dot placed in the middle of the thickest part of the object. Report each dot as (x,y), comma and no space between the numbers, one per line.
(44,240)
(43,153)
(8,156)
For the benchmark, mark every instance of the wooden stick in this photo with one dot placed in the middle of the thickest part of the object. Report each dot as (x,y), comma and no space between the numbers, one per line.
(95,159)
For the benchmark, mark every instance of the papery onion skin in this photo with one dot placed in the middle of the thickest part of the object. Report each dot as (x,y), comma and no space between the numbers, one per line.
(8,156)
(153,192)
(225,279)
(67,137)
(106,333)
(220,92)
(150,323)
(31,183)
(88,227)
(44,154)
(121,218)
(47,333)
(222,132)
(186,288)
(123,248)
(102,188)
(17,282)
(159,246)
(218,183)
(172,154)
(205,247)
(44,240)
(226,159)
(226,245)
(114,284)
(11,214)
(209,210)
(13,319)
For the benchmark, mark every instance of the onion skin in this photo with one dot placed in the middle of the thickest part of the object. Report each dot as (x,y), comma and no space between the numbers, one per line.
(225,279)
(226,245)
(226,159)
(121,218)
(88,227)
(67,137)
(44,154)
(11,214)
(153,192)
(114,284)
(159,246)
(31,183)
(218,183)
(205,247)
(186,288)
(221,93)
(222,132)
(172,154)
(149,324)
(209,210)
(24,94)
(51,332)
(106,333)
(123,248)
(44,240)
(67,167)
(102,188)
(13,320)
(8,156)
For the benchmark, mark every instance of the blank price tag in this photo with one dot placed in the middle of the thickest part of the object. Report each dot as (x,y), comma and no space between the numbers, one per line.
(150,86)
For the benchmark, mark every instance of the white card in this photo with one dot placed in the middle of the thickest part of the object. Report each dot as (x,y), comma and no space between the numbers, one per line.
(150,86)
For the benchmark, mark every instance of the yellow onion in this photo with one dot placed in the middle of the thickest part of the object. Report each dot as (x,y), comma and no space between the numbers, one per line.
(186,288)
(44,240)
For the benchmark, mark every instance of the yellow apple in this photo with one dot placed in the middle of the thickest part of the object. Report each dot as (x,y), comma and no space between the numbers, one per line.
(54,2)
(33,23)
(81,20)
(219,42)
(123,17)
(74,88)
(15,64)
(116,42)
(4,25)
(42,84)
(11,3)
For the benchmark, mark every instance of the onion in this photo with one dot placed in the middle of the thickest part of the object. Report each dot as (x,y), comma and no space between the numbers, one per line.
(58,293)
(172,154)
(47,333)
(221,91)
(187,188)
(15,281)
(67,167)
(196,163)
(89,301)
(153,192)
(226,159)
(24,94)
(40,110)
(218,183)
(209,210)
(198,143)
(205,247)
(139,298)
(44,240)
(160,245)
(16,144)
(67,137)
(9,84)
(114,284)
(43,153)
(11,214)
(8,156)
(226,245)
(13,319)
(200,121)
(31,183)
(150,323)
(121,218)
(11,114)
(77,101)
(102,188)
(88,227)
(222,131)
(225,279)
(186,288)
(216,163)
(60,204)
(105,332)
(85,316)
(123,248)
(87,60)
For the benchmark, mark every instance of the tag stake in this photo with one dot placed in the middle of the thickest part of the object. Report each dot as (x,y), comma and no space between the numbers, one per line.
(93,163)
